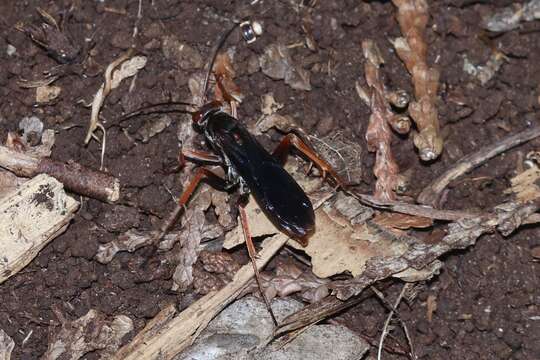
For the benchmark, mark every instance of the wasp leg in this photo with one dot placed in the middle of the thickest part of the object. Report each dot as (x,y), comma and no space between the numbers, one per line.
(202,174)
(293,140)
(252,255)
(199,157)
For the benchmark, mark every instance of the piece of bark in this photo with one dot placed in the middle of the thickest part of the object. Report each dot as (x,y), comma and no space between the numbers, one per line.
(172,335)
(75,177)
(30,217)
(460,235)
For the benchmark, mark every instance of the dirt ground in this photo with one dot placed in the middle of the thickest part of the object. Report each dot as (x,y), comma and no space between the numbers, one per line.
(487,297)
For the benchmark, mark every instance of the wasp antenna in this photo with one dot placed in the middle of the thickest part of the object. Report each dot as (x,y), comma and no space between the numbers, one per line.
(159,108)
(250,31)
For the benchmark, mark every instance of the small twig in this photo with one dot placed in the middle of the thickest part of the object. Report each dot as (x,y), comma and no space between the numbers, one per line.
(431,193)
(413,209)
(75,177)
(389,318)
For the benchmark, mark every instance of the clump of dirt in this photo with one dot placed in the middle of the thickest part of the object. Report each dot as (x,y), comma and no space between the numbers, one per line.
(487,298)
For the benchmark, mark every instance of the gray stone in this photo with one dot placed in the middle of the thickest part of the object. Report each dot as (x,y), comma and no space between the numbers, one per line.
(246,324)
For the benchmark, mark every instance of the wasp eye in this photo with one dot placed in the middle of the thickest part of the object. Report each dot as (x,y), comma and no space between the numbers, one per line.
(197,117)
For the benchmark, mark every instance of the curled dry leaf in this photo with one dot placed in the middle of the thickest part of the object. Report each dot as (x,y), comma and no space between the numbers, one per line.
(277,63)
(152,127)
(6,346)
(113,77)
(289,279)
(92,332)
(378,133)
(412,49)
(226,90)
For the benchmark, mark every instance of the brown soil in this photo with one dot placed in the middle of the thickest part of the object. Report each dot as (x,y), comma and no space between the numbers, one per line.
(487,297)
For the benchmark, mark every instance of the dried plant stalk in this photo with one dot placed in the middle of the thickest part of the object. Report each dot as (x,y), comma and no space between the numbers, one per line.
(412,49)
(379,133)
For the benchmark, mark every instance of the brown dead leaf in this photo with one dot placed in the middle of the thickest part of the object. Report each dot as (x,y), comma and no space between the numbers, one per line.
(277,63)
(92,332)
(288,279)
(195,228)
(226,90)
(402,221)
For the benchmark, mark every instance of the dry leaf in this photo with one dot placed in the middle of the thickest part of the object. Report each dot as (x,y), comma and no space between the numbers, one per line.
(526,186)
(152,127)
(47,93)
(218,268)
(269,105)
(195,228)
(277,63)
(6,346)
(289,279)
(226,90)
(92,332)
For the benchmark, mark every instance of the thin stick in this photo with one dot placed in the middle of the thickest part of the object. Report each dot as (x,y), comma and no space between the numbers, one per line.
(388,319)
(413,209)
(75,177)
(431,193)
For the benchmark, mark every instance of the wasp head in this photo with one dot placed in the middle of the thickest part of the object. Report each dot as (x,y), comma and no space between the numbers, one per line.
(200,118)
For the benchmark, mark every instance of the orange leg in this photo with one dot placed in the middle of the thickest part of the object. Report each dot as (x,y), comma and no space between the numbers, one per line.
(197,156)
(189,189)
(252,255)
(284,148)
